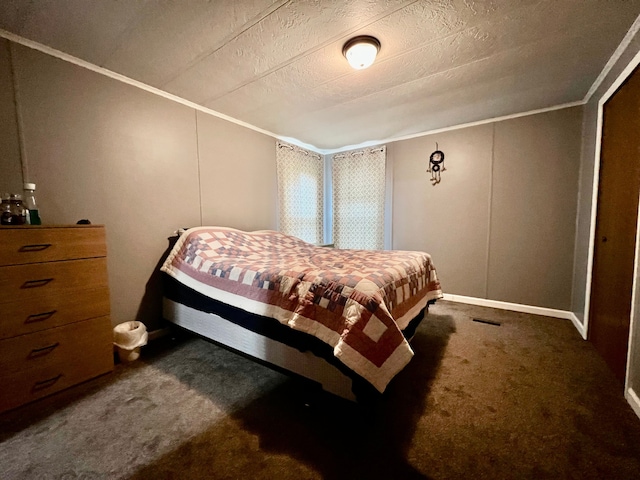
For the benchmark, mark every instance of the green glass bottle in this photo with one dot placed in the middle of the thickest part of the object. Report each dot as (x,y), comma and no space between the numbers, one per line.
(33,217)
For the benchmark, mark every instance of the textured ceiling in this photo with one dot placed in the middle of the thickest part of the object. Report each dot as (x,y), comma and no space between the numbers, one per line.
(278,64)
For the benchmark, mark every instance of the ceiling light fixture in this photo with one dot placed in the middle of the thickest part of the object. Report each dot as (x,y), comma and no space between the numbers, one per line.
(361,51)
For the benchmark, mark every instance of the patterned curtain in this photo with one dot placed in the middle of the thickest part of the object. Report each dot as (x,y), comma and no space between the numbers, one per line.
(300,192)
(358,198)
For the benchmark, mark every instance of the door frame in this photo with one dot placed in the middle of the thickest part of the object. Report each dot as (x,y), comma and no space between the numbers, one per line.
(635,292)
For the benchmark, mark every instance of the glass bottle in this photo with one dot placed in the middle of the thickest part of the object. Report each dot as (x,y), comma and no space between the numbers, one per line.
(33,215)
(17,214)
(5,210)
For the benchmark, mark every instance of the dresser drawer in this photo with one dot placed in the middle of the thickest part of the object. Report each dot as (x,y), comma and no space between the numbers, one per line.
(27,282)
(32,244)
(18,389)
(70,344)
(28,382)
(52,310)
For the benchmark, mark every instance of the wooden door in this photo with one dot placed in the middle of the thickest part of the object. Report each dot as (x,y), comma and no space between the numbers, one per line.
(617,215)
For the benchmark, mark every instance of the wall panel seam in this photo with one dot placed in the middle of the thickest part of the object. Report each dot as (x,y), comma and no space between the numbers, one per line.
(489,217)
(198,163)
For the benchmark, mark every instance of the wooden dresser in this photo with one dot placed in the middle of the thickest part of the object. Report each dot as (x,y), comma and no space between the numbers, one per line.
(55,329)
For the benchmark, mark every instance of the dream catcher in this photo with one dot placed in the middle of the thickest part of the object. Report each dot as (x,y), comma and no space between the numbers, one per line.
(436,166)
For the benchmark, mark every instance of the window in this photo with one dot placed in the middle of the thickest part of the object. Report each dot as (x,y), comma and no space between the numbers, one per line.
(358,180)
(354,213)
(300,192)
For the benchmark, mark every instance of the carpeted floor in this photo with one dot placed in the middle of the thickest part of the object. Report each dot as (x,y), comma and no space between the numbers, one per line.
(523,400)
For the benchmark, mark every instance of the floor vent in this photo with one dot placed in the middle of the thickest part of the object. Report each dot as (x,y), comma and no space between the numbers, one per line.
(488,322)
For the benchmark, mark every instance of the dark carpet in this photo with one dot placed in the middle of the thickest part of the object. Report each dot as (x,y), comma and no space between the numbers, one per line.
(521,400)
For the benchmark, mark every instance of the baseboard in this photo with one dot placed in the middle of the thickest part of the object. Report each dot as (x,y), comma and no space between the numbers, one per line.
(518,307)
(582,330)
(633,400)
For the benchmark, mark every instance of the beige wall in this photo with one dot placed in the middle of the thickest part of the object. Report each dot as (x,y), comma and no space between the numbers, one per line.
(501,224)
(535,190)
(237,175)
(136,162)
(450,220)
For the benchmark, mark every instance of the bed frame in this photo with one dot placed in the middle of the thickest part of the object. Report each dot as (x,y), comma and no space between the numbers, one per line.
(238,338)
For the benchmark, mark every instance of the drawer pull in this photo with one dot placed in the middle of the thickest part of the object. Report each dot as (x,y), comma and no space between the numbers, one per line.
(36,247)
(40,317)
(42,384)
(36,283)
(37,352)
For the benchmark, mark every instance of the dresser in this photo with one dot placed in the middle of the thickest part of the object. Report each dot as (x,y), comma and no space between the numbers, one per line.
(55,329)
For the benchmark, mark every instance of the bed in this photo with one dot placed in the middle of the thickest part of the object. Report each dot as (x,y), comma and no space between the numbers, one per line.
(337,317)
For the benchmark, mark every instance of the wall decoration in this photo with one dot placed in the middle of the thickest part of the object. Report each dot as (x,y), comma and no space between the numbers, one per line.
(436,165)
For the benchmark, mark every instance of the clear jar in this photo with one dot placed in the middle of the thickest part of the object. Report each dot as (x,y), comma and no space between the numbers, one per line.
(17,213)
(33,214)
(5,210)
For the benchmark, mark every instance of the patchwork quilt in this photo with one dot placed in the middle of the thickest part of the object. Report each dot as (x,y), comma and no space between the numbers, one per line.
(357,301)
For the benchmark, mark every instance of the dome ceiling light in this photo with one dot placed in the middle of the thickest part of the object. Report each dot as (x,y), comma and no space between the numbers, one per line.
(361,51)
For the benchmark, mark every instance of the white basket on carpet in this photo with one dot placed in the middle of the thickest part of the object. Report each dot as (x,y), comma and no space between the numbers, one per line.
(128,337)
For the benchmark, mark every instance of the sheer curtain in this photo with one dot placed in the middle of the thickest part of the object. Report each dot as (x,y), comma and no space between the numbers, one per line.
(359,198)
(300,192)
